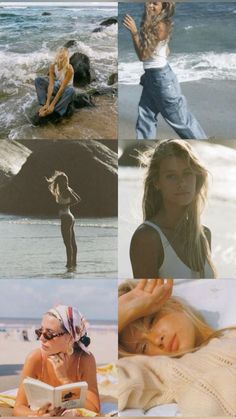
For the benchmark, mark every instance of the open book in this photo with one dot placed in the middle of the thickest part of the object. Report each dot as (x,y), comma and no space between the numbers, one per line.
(68,396)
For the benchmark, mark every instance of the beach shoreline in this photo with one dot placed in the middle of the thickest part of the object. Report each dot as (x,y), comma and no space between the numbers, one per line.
(211,101)
(13,354)
(98,122)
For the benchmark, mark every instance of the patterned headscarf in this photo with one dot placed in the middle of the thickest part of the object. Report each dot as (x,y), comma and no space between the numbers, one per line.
(73,321)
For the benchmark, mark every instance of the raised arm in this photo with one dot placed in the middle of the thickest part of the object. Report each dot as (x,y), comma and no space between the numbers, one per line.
(143,300)
(141,51)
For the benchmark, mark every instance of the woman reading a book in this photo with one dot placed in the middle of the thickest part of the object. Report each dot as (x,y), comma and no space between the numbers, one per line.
(65,197)
(62,359)
(169,354)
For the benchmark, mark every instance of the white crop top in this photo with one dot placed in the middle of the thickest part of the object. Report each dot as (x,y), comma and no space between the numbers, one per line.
(159,56)
(172,266)
(60,75)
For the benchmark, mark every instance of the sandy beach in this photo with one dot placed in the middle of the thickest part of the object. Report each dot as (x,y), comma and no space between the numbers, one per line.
(212,102)
(13,353)
(99,122)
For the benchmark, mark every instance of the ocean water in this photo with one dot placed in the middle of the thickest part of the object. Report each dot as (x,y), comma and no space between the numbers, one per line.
(218,215)
(33,248)
(202,44)
(28,42)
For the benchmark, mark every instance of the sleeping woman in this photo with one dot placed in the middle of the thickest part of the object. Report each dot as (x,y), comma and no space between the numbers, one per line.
(169,354)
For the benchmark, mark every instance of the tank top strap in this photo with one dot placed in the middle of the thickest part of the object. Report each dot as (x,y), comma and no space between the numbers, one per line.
(163,238)
(78,372)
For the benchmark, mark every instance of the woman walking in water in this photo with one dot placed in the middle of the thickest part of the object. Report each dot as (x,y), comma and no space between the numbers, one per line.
(161,90)
(65,197)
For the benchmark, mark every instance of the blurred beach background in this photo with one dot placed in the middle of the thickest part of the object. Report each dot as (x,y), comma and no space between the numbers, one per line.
(203,56)
(219,214)
(29,40)
(22,304)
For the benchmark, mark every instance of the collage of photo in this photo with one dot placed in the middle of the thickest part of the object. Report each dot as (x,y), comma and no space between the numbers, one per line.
(117,208)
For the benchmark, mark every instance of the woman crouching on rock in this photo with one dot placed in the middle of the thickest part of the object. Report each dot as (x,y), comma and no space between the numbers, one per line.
(56,93)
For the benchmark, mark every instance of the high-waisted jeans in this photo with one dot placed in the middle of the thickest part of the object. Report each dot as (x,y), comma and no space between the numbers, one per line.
(41,85)
(162,94)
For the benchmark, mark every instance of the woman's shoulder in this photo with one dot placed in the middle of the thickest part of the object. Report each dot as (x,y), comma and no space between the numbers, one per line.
(147,231)
(70,69)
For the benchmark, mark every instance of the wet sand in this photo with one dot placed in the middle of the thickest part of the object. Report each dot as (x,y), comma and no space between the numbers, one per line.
(212,102)
(96,123)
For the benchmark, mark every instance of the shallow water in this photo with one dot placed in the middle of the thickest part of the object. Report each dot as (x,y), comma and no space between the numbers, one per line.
(33,248)
(202,45)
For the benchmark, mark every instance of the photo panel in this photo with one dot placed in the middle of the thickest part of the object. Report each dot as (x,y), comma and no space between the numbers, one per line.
(45,305)
(163,248)
(45,233)
(188,339)
(187,90)
(58,74)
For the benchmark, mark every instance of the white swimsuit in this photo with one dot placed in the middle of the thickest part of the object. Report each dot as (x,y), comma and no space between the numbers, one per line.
(172,266)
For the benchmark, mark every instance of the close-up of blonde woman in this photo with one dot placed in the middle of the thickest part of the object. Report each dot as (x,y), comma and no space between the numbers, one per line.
(56,92)
(63,358)
(170,354)
(172,242)
(161,90)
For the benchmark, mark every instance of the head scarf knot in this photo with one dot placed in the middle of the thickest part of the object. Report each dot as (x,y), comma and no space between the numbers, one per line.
(73,322)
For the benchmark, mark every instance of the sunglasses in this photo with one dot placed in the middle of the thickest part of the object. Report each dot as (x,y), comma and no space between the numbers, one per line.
(48,335)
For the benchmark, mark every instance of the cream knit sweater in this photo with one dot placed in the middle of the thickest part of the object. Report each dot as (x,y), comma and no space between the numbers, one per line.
(203,383)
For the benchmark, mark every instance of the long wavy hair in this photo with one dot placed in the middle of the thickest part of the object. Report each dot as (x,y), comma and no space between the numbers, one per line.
(196,245)
(56,182)
(62,55)
(150,22)
(204,332)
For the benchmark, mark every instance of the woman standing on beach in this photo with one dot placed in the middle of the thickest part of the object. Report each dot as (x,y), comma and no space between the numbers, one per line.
(62,359)
(179,358)
(161,90)
(65,197)
(172,242)
(57,93)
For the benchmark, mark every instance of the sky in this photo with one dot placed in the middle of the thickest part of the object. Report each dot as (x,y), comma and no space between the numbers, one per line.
(30,298)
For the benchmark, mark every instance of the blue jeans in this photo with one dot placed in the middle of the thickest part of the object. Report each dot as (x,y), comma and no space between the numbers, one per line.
(162,94)
(41,85)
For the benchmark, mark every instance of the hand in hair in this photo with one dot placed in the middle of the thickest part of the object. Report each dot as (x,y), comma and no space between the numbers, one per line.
(143,300)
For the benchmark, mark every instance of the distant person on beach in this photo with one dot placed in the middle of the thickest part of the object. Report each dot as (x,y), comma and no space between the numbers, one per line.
(65,197)
(161,91)
(62,359)
(56,93)
(172,242)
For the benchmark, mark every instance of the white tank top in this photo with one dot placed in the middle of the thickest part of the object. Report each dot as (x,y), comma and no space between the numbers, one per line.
(60,75)
(172,266)
(159,56)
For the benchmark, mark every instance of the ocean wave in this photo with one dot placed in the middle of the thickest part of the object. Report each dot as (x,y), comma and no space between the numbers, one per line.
(31,221)
(187,67)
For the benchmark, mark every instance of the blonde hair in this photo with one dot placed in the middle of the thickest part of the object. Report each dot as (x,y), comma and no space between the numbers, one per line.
(204,332)
(63,54)
(197,249)
(150,22)
(55,182)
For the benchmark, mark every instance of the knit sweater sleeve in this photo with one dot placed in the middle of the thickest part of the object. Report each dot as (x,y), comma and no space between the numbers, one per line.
(143,382)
